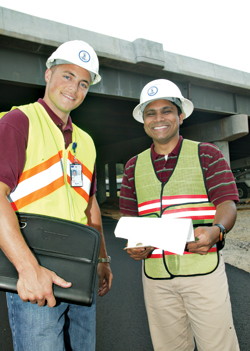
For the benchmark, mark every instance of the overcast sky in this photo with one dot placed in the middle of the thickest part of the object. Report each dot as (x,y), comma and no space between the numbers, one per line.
(215,31)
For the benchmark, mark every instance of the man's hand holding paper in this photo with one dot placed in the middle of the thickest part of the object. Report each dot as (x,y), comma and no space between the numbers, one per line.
(144,233)
(206,237)
(139,253)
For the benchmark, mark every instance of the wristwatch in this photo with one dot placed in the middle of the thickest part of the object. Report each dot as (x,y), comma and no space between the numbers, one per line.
(223,233)
(106,260)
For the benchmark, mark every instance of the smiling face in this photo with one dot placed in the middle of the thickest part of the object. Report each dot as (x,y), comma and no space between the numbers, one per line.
(67,86)
(161,123)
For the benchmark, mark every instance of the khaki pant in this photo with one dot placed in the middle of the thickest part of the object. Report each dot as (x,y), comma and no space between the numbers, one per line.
(183,307)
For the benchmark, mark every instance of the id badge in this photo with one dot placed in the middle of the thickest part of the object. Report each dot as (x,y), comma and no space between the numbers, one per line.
(76,175)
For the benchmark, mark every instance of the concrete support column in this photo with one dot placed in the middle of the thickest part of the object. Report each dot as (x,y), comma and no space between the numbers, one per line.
(101,185)
(219,132)
(112,179)
(224,148)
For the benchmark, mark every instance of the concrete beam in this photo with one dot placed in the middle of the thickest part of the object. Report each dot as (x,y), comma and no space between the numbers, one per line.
(225,129)
(119,52)
(241,163)
(149,53)
(22,66)
(27,67)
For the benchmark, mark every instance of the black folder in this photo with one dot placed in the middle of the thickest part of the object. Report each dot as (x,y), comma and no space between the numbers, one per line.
(68,248)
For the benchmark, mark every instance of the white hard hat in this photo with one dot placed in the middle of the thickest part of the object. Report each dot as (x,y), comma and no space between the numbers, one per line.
(79,53)
(162,89)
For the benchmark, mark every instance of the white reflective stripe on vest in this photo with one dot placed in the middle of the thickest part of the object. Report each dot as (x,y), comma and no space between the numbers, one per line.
(155,206)
(37,181)
(173,200)
(189,214)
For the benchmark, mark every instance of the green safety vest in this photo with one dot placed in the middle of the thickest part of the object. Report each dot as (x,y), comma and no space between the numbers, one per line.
(44,186)
(184,195)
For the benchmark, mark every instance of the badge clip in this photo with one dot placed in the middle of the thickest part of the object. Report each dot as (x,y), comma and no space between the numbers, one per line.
(76,179)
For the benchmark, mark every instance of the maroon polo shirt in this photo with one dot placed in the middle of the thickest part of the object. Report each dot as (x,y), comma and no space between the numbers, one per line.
(14,131)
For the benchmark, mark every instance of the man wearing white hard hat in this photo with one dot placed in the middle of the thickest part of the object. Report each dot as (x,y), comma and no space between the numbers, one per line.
(186,297)
(38,144)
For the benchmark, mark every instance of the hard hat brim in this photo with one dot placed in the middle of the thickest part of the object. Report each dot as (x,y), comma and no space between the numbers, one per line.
(51,62)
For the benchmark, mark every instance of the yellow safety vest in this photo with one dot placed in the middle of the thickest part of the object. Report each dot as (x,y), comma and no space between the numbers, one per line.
(184,195)
(44,186)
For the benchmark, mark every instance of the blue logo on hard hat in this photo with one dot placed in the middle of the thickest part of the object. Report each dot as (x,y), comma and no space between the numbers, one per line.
(84,56)
(152,91)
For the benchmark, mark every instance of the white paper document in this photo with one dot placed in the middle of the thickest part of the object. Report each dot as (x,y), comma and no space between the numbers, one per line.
(162,233)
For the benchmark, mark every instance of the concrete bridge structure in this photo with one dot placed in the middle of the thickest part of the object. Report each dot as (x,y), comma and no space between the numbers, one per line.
(221,96)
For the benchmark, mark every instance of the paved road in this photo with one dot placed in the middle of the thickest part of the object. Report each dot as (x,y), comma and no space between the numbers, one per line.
(121,317)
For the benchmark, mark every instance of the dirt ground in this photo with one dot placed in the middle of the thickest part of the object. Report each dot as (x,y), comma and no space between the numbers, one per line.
(237,249)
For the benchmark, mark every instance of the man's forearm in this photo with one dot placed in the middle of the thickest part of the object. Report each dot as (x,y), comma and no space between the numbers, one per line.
(103,270)
(226,214)
(94,220)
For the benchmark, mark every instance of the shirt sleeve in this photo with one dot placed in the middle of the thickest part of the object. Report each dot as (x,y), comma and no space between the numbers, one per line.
(14,129)
(218,175)
(128,200)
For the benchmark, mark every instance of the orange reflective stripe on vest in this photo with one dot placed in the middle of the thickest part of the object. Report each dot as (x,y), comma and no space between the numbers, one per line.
(44,186)
(38,182)
(87,178)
